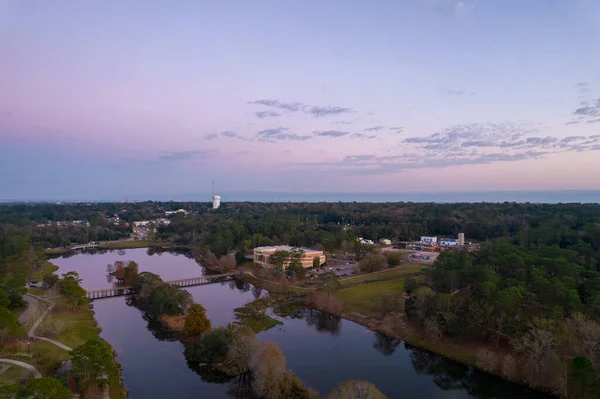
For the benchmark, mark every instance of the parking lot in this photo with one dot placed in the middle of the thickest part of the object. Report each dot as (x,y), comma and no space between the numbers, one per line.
(344,270)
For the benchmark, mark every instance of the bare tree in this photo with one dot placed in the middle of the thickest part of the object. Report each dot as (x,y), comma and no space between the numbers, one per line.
(509,367)
(241,349)
(268,365)
(588,332)
(432,328)
(486,360)
(227,262)
(392,323)
(353,389)
(538,347)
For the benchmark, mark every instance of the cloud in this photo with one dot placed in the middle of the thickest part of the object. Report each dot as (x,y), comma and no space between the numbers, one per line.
(398,129)
(593,121)
(228,133)
(267,114)
(361,136)
(374,129)
(343,122)
(331,133)
(318,112)
(293,107)
(453,92)
(272,135)
(177,156)
(314,110)
(589,112)
(466,144)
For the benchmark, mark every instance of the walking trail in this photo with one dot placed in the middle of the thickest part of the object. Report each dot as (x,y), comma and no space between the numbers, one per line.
(35,301)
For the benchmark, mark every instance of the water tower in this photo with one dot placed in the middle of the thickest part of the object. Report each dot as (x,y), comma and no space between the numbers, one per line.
(216,198)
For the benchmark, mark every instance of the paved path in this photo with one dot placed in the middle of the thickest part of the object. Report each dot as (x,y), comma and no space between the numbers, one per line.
(34,371)
(65,347)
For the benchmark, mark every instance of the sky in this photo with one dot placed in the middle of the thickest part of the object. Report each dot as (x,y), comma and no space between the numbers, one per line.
(139,98)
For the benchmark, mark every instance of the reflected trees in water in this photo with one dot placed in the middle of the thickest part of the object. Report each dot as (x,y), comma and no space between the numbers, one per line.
(450,375)
(385,344)
(323,322)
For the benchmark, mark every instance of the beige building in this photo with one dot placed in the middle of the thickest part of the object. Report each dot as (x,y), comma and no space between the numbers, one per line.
(262,254)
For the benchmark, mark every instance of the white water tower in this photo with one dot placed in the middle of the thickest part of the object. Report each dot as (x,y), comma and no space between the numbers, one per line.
(216,198)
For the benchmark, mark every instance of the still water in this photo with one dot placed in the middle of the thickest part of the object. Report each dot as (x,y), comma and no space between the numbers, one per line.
(320,349)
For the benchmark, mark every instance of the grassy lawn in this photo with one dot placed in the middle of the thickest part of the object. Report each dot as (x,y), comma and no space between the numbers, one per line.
(400,271)
(125,244)
(47,268)
(14,375)
(80,325)
(366,298)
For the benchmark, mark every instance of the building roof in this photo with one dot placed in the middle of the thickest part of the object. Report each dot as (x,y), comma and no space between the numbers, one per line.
(286,248)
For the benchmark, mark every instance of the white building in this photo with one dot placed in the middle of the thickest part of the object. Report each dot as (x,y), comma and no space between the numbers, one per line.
(216,201)
(449,242)
(429,240)
(364,241)
(176,211)
(385,241)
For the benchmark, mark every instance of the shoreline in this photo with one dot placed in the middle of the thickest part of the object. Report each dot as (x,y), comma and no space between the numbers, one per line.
(111,245)
(371,324)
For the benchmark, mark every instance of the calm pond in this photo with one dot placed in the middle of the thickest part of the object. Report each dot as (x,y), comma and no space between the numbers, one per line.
(320,349)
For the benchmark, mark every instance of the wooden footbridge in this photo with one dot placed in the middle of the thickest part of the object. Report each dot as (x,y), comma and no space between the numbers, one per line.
(186,282)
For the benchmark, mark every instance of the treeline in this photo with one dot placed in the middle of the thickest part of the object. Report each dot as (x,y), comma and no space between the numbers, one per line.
(332,226)
(543,302)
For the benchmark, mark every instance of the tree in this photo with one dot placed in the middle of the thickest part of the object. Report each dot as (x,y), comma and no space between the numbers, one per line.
(8,322)
(169,299)
(393,258)
(538,347)
(410,285)
(486,360)
(509,367)
(330,283)
(69,288)
(243,345)
(371,263)
(45,388)
(211,347)
(316,262)
(390,303)
(4,299)
(196,321)
(585,377)
(278,260)
(295,256)
(145,279)
(354,389)
(94,361)
(268,366)
(51,280)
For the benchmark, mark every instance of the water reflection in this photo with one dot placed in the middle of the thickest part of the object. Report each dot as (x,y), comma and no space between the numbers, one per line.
(323,322)
(450,375)
(386,345)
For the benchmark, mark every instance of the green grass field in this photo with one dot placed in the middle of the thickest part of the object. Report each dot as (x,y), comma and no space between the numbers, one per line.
(366,298)
(125,244)
(397,272)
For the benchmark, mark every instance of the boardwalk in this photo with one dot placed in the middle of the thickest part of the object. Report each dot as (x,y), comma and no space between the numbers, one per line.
(186,282)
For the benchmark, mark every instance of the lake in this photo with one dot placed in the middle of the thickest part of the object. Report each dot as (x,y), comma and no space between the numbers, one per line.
(320,349)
